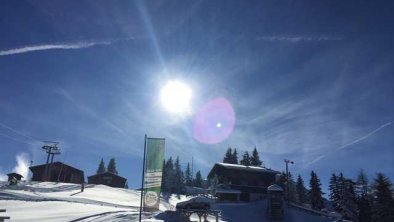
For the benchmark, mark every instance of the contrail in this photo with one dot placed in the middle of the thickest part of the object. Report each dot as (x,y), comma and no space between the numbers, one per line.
(366,136)
(15,139)
(354,141)
(78,45)
(295,39)
(17,132)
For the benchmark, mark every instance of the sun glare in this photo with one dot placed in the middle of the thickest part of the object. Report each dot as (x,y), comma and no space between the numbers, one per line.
(175,97)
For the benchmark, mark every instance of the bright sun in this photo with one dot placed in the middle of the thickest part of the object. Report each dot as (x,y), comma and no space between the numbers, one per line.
(175,97)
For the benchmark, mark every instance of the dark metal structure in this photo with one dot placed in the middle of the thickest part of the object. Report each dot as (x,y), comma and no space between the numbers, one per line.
(58,172)
(109,179)
(51,149)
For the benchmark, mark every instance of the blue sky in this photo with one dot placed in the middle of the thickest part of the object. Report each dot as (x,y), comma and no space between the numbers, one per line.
(311,81)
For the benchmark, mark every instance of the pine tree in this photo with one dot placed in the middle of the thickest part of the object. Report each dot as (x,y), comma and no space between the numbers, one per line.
(362,188)
(364,201)
(234,157)
(301,190)
(188,176)
(245,159)
(349,208)
(164,177)
(198,180)
(112,166)
(316,192)
(340,190)
(292,188)
(228,158)
(282,180)
(169,176)
(255,159)
(213,183)
(334,195)
(101,167)
(383,206)
(178,178)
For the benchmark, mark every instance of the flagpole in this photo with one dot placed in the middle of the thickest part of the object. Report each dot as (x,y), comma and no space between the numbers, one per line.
(143,177)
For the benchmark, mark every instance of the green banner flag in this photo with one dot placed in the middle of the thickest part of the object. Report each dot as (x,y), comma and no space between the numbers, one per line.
(153,173)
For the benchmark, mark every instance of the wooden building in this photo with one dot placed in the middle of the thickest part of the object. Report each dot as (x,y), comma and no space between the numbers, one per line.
(57,172)
(17,176)
(109,179)
(241,183)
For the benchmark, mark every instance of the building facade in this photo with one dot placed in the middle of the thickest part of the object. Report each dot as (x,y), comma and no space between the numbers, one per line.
(109,179)
(57,172)
(233,182)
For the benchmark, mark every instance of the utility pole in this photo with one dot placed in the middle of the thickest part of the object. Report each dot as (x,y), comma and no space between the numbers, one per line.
(287,176)
(51,149)
(192,169)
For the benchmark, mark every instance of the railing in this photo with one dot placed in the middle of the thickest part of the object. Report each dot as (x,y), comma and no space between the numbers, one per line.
(2,218)
(313,211)
(186,213)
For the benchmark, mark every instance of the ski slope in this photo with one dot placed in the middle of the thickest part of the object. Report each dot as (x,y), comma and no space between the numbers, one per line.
(47,201)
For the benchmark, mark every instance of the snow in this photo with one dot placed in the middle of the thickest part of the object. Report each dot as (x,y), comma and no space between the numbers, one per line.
(47,201)
(275,187)
(242,167)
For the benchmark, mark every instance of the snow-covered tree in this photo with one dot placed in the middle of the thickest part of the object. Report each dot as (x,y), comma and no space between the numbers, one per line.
(245,159)
(255,158)
(112,166)
(315,192)
(383,206)
(101,167)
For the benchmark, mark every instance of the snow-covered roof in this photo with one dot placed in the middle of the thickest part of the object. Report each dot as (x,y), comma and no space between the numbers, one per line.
(248,168)
(219,190)
(275,187)
(14,174)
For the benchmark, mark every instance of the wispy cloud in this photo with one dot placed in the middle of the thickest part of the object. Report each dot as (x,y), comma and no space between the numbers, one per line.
(295,39)
(88,110)
(354,141)
(77,45)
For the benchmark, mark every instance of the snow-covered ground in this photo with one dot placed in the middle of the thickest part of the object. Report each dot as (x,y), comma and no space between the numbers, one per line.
(47,201)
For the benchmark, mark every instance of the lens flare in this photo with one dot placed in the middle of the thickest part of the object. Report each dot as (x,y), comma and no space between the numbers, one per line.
(214,122)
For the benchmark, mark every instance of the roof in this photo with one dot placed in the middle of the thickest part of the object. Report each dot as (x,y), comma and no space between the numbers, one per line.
(55,163)
(227,191)
(275,187)
(106,173)
(247,168)
(14,174)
